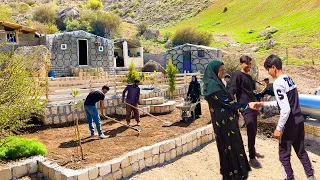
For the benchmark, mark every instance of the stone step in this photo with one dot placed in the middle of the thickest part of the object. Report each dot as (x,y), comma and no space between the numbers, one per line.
(152,101)
(163,108)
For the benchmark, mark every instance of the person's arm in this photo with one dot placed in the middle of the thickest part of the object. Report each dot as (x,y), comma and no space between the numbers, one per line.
(229,103)
(235,81)
(124,93)
(102,108)
(138,97)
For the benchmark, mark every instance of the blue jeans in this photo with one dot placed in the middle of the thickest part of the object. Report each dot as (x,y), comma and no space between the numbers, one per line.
(93,115)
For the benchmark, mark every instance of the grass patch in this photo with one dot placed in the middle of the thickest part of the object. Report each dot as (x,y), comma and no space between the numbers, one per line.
(14,147)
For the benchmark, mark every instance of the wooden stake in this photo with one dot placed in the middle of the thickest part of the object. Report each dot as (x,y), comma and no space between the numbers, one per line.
(79,139)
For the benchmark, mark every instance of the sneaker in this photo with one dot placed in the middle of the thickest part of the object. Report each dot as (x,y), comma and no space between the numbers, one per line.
(138,124)
(255,163)
(95,134)
(128,123)
(312,178)
(102,136)
(260,156)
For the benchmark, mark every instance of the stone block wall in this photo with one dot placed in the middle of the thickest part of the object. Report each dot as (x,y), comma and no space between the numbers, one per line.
(67,113)
(197,63)
(63,60)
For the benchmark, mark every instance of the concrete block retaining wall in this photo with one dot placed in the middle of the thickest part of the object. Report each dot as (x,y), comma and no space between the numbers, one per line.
(129,163)
(66,113)
(122,167)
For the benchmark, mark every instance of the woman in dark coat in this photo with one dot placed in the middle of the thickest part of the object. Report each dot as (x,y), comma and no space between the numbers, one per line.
(194,93)
(224,116)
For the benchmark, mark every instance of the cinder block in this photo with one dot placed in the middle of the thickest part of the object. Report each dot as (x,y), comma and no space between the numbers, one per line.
(189,138)
(194,144)
(155,160)
(19,171)
(83,176)
(183,140)
(210,137)
(149,162)
(168,156)
(115,165)
(133,158)
(127,171)
(32,167)
(142,164)
(190,146)
(93,173)
(179,150)
(156,150)
(6,174)
(140,154)
(184,148)
(178,142)
(104,169)
(118,174)
(147,153)
(108,177)
(173,153)
(162,158)
(135,167)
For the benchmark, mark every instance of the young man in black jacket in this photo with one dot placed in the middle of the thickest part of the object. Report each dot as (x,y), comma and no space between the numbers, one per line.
(242,86)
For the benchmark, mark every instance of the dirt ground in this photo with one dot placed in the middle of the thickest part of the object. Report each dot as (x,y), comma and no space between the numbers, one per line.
(61,145)
(203,164)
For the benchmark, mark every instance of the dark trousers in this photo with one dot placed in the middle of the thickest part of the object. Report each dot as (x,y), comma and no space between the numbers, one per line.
(250,117)
(129,110)
(294,136)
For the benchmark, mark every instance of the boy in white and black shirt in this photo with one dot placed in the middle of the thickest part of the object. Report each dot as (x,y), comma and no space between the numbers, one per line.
(290,128)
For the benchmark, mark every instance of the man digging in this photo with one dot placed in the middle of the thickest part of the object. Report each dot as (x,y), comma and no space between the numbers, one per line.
(133,98)
(92,111)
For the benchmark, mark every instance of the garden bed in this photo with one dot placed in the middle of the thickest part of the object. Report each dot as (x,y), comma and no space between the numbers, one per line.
(61,145)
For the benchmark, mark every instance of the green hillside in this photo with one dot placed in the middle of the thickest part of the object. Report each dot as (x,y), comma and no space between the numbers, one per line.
(298,22)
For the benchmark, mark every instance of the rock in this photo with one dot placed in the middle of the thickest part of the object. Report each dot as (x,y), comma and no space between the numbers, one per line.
(269,111)
(40,54)
(251,31)
(70,12)
(151,65)
(130,20)
(168,44)
(151,34)
(270,44)
(268,36)
(233,44)
(267,31)
(253,49)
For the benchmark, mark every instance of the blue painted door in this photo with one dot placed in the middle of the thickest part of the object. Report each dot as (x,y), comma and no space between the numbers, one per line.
(187,61)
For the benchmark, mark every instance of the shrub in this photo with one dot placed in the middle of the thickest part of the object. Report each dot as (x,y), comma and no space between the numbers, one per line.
(135,3)
(107,25)
(20,94)
(5,13)
(74,25)
(30,2)
(131,14)
(133,74)
(20,7)
(94,5)
(45,13)
(45,28)
(142,27)
(171,72)
(16,147)
(192,36)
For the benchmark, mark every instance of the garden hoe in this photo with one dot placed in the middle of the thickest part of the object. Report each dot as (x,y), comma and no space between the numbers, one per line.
(165,123)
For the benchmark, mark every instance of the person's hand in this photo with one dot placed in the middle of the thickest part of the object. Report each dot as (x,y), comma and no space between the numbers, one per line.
(254,105)
(277,134)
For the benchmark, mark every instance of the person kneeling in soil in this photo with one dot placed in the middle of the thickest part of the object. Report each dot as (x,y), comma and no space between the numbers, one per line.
(92,111)
(290,128)
(133,98)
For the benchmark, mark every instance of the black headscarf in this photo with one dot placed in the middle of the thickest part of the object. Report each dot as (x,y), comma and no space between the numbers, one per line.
(194,83)
(212,83)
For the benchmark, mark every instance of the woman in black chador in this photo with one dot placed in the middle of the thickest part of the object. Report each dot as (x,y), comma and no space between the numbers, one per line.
(224,116)
(194,93)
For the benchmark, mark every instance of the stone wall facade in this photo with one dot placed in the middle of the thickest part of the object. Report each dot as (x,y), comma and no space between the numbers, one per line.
(197,63)
(159,58)
(63,60)
(66,113)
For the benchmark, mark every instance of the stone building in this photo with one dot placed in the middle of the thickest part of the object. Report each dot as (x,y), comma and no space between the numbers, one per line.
(192,58)
(14,35)
(125,52)
(79,49)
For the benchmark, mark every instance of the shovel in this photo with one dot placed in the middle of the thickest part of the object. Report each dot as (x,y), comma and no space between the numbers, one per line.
(136,129)
(165,123)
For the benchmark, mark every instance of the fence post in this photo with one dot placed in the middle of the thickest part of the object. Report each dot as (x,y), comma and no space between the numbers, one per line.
(185,77)
(115,83)
(287,54)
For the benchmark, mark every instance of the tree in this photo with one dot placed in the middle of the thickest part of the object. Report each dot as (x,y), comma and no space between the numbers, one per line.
(171,71)
(192,36)
(20,92)
(45,28)
(133,74)
(94,5)
(142,27)
(107,25)
(46,13)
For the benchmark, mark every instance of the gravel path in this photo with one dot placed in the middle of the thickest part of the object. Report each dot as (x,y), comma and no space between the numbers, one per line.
(204,164)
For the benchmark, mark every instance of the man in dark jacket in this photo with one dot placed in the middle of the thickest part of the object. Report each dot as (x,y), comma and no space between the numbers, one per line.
(133,98)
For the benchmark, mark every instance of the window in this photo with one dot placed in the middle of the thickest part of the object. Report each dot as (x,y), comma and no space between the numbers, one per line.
(200,53)
(63,46)
(100,48)
(11,37)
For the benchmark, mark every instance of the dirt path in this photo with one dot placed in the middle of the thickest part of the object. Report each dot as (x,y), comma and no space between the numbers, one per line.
(204,164)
